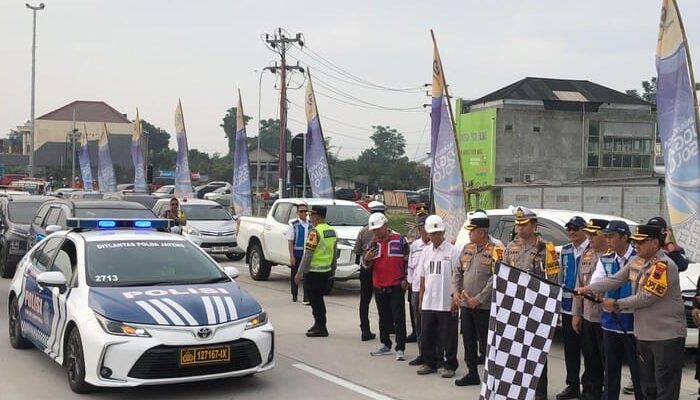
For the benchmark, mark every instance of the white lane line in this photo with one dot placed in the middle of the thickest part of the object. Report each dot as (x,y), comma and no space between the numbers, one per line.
(342,382)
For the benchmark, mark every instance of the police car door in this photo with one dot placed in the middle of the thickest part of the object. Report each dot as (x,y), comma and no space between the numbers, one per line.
(37,303)
(65,261)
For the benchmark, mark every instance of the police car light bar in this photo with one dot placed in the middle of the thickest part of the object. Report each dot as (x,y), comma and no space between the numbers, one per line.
(116,223)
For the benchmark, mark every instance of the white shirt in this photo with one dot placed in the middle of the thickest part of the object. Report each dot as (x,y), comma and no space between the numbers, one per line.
(436,268)
(579,250)
(413,261)
(600,273)
(290,229)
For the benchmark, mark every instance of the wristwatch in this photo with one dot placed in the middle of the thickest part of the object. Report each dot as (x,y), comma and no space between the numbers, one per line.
(616,306)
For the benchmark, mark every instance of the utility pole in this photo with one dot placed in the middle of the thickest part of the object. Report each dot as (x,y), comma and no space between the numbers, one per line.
(280,43)
(34,9)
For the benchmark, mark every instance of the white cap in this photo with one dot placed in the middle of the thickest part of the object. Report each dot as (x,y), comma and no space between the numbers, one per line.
(434,223)
(377,220)
(376,206)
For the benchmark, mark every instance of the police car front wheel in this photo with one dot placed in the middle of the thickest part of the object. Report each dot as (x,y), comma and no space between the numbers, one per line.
(17,341)
(75,363)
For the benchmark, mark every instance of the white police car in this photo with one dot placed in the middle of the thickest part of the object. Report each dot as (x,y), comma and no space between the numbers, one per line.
(119,303)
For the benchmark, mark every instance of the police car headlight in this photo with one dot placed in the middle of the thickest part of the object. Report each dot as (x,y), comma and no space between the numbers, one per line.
(256,321)
(119,328)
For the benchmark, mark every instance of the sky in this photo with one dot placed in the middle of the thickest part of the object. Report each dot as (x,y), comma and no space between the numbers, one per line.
(150,53)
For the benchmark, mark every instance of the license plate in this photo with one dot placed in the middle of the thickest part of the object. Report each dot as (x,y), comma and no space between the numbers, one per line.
(204,355)
(218,248)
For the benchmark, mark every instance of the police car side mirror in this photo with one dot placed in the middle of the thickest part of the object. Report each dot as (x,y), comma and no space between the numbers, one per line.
(232,272)
(52,279)
(53,228)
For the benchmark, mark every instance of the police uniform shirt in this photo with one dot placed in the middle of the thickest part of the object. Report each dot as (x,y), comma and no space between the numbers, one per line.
(290,229)
(364,238)
(414,259)
(656,297)
(475,274)
(530,257)
(436,268)
(585,308)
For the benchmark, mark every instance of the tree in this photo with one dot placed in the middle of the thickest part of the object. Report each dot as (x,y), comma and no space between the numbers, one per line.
(382,161)
(228,122)
(269,136)
(158,139)
(649,88)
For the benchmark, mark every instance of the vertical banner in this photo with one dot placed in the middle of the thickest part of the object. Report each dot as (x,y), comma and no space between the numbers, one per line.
(105,171)
(678,128)
(316,161)
(446,172)
(241,192)
(137,156)
(84,160)
(183,182)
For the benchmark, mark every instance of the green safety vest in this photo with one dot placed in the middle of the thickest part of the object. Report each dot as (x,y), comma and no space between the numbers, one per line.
(323,254)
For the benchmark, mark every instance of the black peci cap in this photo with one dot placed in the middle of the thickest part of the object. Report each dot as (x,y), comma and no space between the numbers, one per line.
(644,232)
(594,225)
(658,221)
(319,210)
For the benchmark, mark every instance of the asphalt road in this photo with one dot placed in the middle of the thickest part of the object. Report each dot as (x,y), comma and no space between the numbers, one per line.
(337,367)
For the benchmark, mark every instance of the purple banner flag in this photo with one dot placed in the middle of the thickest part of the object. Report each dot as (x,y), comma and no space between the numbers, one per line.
(84,160)
(241,192)
(316,161)
(105,168)
(446,174)
(183,182)
(678,129)
(137,156)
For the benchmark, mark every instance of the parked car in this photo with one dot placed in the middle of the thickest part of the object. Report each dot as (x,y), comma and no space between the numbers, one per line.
(7,179)
(147,200)
(81,194)
(56,211)
(265,242)
(221,195)
(33,187)
(64,192)
(424,195)
(200,191)
(165,192)
(347,194)
(16,213)
(209,224)
(162,181)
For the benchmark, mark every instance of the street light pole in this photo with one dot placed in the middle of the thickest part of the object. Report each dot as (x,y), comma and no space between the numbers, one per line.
(31,153)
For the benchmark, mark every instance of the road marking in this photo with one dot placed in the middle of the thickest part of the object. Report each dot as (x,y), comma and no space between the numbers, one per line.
(342,382)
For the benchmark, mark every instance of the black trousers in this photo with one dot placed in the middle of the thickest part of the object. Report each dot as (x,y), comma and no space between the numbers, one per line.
(572,351)
(412,311)
(661,368)
(392,313)
(619,347)
(366,292)
(415,306)
(295,269)
(439,339)
(592,349)
(475,328)
(317,282)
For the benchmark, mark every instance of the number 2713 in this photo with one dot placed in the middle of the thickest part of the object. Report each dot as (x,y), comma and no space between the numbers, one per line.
(106,278)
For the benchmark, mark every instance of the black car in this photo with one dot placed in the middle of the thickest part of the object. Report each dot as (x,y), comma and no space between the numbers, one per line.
(16,213)
(200,191)
(56,211)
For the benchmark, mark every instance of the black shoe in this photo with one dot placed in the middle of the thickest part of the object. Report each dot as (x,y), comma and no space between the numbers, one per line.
(367,335)
(540,397)
(569,392)
(317,333)
(294,299)
(416,361)
(480,360)
(629,389)
(468,380)
(411,338)
(313,328)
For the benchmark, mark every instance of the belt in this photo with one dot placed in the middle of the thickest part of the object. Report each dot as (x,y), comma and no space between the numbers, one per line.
(388,289)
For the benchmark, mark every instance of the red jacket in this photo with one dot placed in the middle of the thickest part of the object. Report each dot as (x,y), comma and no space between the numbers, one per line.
(389,266)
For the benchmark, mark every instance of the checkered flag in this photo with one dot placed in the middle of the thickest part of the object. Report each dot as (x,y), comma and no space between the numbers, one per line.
(524,314)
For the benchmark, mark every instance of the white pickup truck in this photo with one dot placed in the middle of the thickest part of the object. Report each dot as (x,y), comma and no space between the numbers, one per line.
(265,242)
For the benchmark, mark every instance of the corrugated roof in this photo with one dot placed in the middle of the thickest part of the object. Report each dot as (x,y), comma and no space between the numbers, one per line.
(547,89)
(87,111)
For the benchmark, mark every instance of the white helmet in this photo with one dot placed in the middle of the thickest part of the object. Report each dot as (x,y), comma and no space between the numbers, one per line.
(377,220)
(375,206)
(434,223)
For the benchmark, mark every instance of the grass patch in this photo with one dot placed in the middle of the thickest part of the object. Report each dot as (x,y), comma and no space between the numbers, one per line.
(399,222)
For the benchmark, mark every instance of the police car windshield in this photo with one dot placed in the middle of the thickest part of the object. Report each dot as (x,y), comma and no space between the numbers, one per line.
(112,213)
(346,216)
(148,263)
(22,213)
(204,212)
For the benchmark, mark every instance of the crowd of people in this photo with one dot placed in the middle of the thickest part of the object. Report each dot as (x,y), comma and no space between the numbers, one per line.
(621,305)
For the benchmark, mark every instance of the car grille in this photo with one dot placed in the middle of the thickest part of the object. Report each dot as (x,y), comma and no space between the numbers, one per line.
(162,362)
(210,245)
(209,233)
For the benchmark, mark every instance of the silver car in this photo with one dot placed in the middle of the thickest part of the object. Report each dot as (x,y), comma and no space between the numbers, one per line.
(221,195)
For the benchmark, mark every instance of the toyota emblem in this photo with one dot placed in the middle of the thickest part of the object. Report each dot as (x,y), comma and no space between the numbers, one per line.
(204,333)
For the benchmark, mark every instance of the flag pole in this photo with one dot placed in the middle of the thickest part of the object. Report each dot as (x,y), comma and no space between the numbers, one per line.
(690,66)
(560,285)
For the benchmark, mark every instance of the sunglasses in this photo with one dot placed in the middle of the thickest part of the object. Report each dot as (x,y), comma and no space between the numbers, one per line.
(303,211)
(572,228)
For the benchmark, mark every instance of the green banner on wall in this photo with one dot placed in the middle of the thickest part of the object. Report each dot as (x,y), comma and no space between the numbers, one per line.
(477,147)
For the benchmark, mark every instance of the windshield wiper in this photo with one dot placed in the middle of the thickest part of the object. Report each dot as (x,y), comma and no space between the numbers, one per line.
(214,280)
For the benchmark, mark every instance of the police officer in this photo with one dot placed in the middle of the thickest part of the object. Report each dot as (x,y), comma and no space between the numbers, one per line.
(672,249)
(570,260)
(659,326)
(530,253)
(364,238)
(585,320)
(471,291)
(318,266)
(297,232)
(174,213)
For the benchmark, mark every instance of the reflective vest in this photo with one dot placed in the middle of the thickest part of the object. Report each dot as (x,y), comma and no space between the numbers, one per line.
(626,320)
(300,233)
(322,240)
(570,270)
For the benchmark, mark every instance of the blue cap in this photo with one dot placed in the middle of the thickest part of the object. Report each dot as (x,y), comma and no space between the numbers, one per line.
(617,226)
(576,222)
